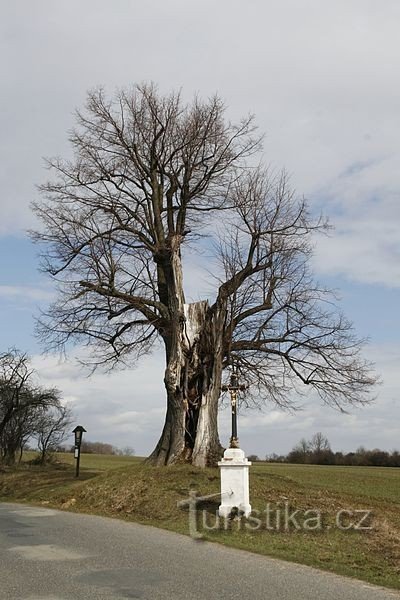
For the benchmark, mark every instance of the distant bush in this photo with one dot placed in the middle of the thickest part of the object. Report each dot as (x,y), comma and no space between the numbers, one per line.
(275,458)
(253,458)
(89,447)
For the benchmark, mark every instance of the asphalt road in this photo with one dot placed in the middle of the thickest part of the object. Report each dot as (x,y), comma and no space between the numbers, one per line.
(53,555)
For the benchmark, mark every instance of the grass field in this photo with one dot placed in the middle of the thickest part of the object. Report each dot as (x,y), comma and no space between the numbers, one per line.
(90,462)
(125,487)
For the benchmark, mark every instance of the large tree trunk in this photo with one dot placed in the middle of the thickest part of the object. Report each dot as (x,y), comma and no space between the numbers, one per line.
(194,351)
(193,382)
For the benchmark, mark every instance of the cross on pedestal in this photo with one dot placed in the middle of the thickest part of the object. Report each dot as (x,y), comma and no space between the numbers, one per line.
(234,466)
(233,388)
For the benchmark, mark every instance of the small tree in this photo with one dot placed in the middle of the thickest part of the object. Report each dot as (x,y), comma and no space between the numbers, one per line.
(17,431)
(21,401)
(300,453)
(315,451)
(128,451)
(151,175)
(52,428)
(319,443)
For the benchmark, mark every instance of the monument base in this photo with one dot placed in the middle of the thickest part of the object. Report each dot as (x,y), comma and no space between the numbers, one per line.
(234,483)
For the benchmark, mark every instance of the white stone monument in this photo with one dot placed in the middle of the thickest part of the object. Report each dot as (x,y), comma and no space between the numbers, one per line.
(234,469)
(234,466)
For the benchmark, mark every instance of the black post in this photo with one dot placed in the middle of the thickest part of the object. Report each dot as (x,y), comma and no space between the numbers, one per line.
(234,419)
(78,431)
(233,389)
(78,458)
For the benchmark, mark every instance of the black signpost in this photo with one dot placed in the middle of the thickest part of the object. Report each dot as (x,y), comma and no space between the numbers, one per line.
(78,431)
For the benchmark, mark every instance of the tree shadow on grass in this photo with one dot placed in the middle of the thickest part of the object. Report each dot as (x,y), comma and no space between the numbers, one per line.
(26,482)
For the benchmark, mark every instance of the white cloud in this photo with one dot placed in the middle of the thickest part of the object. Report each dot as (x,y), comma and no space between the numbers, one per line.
(26,293)
(365,245)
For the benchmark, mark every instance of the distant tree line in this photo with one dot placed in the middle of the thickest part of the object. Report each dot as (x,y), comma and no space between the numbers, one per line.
(317,451)
(88,447)
(29,413)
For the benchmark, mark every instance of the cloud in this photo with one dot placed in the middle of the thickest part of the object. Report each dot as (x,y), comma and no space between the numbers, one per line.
(26,293)
(365,245)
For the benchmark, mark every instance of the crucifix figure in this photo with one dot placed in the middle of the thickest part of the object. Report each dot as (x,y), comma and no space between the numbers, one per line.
(233,388)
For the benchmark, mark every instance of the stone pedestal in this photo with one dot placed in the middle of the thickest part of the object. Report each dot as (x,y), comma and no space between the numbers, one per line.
(234,469)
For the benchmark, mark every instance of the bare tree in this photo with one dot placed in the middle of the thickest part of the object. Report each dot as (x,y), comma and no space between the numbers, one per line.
(21,400)
(17,431)
(319,443)
(149,175)
(128,451)
(52,428)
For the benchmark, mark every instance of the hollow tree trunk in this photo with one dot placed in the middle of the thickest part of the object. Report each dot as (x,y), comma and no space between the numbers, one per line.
(193,341)
(207,449)
(193,383)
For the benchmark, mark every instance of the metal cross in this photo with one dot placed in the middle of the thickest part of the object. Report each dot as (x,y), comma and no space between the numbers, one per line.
(233,388)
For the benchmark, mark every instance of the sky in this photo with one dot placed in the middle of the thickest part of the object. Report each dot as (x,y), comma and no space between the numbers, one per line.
(322,80)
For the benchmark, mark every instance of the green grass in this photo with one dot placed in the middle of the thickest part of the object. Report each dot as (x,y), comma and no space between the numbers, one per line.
(369,482)
(127,488)
(91,462)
